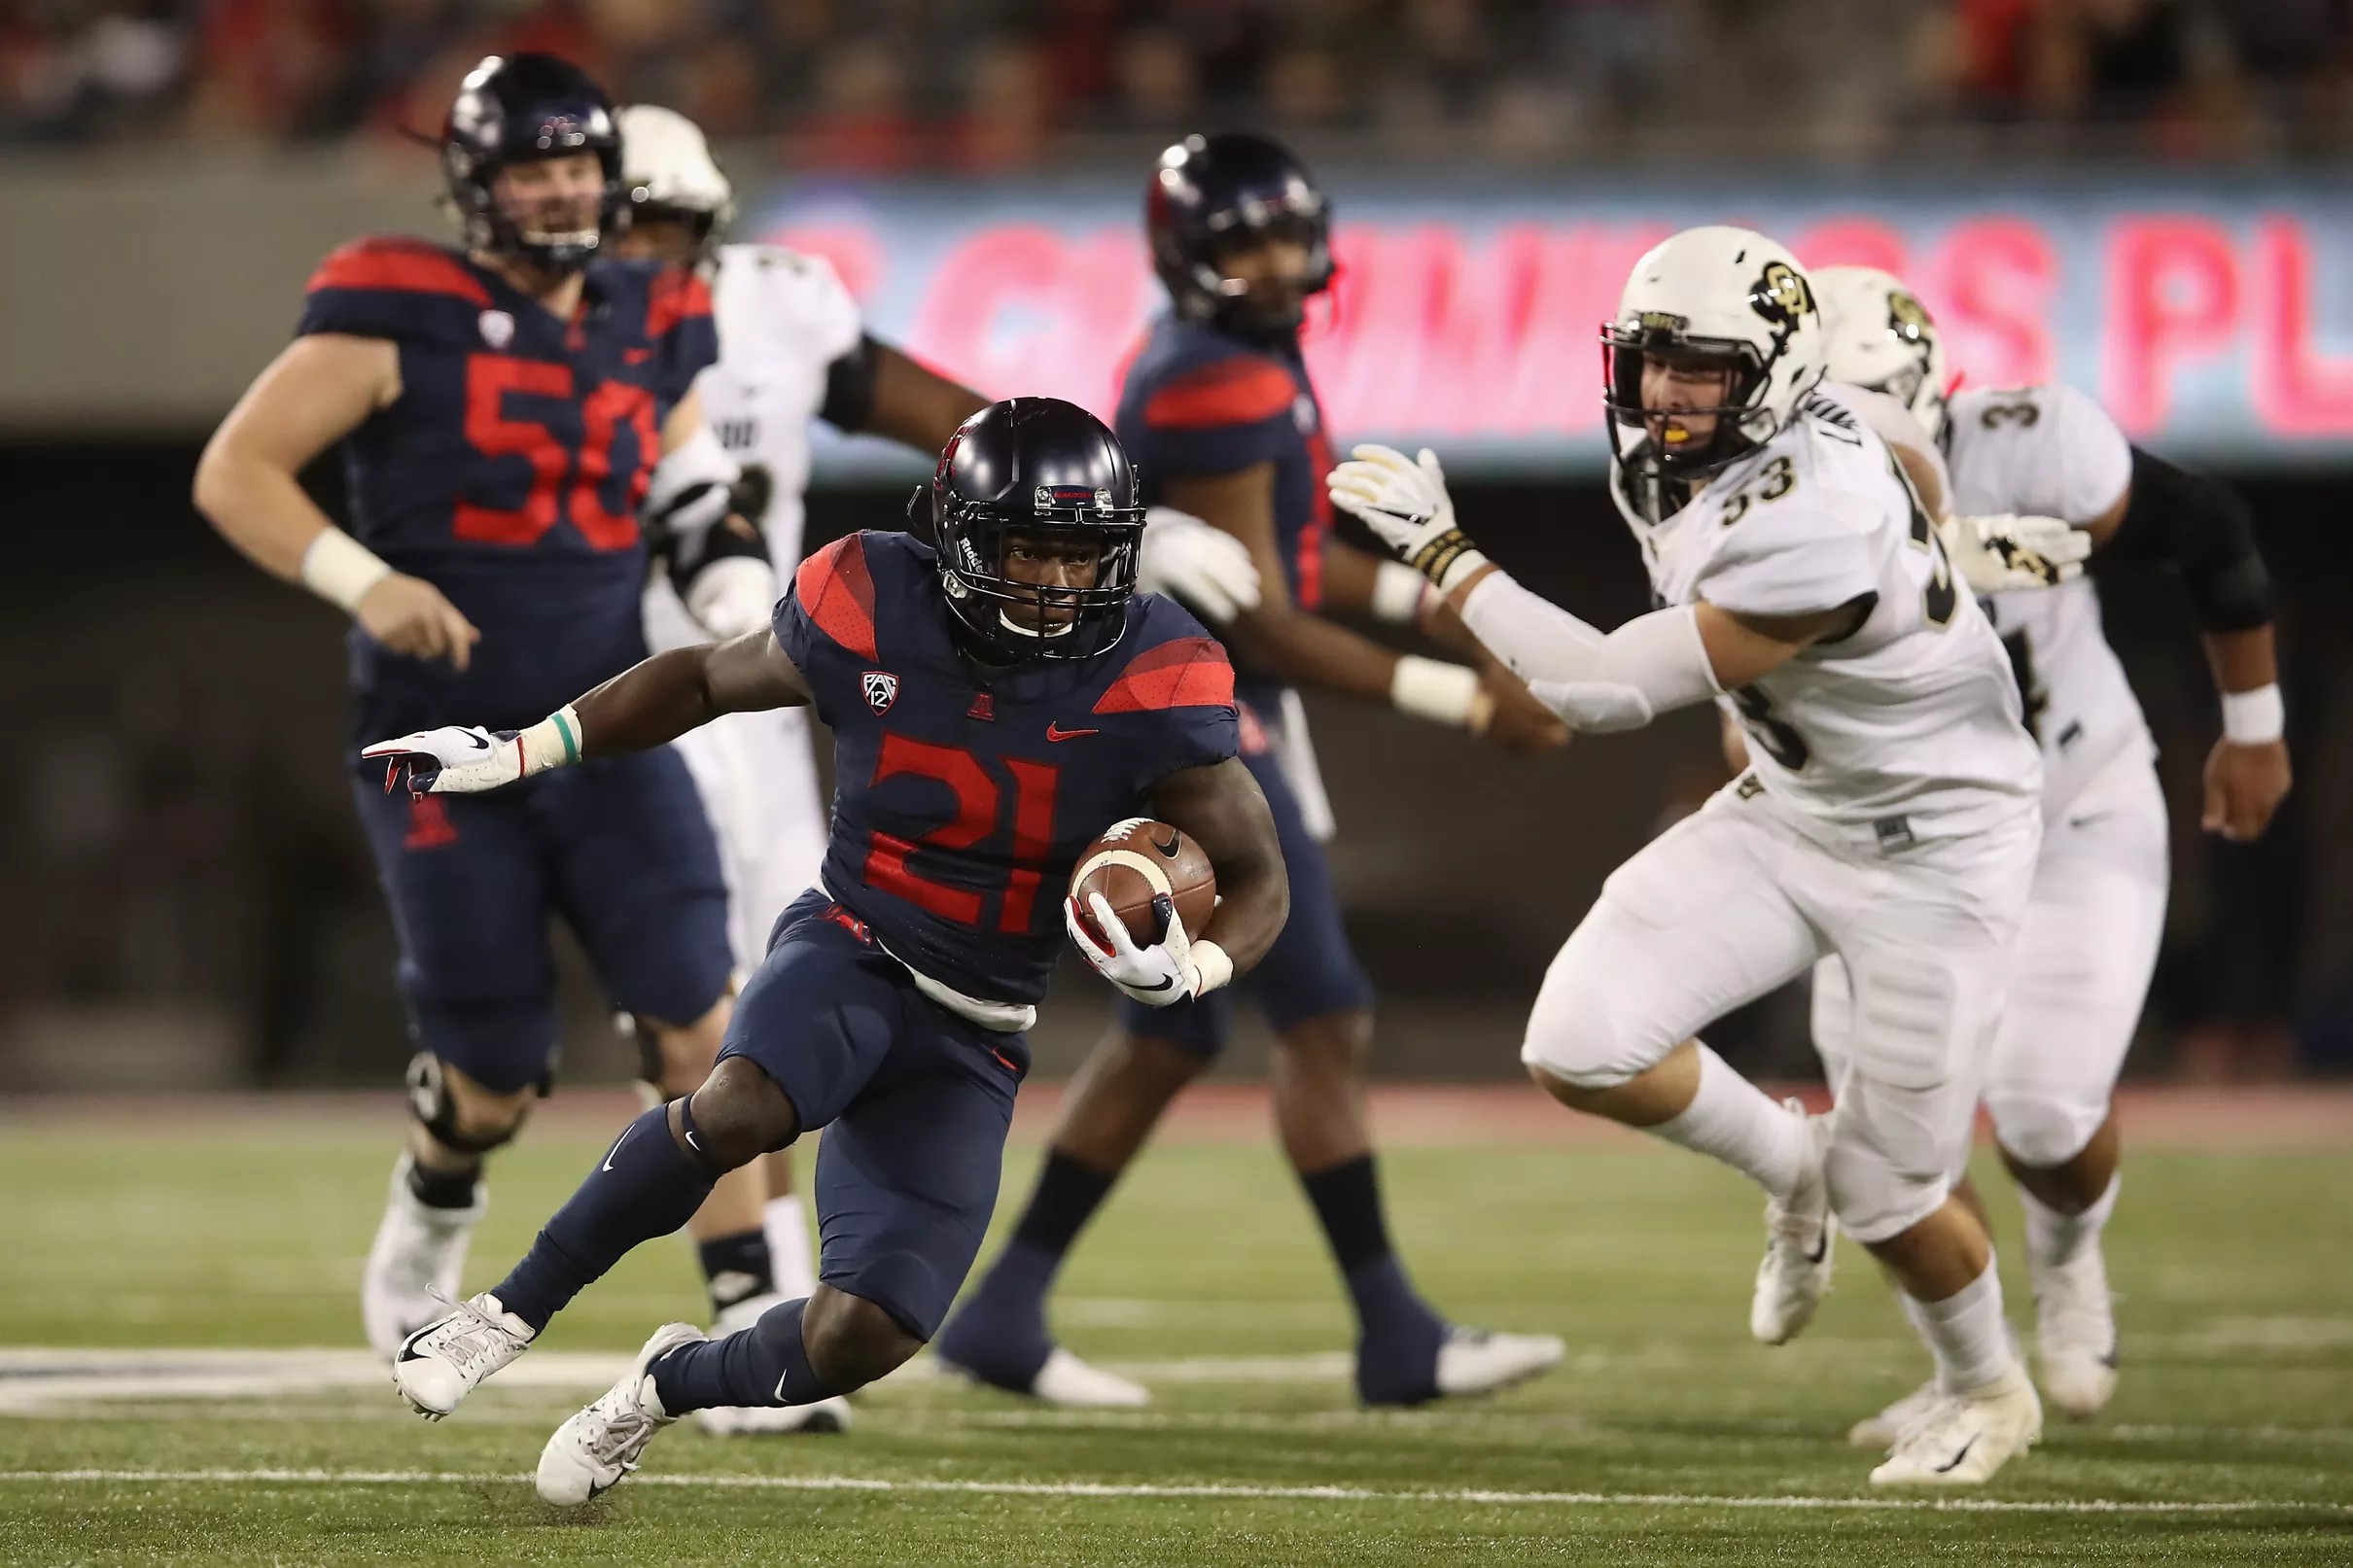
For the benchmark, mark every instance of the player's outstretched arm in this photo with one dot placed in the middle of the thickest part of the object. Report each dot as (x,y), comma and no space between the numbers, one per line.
(1281,637)
(649,704)
(322,387)
(879,389)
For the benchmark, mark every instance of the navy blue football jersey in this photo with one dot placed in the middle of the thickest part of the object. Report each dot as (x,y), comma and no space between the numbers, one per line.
(964,796)
(1198,400)
(508,471)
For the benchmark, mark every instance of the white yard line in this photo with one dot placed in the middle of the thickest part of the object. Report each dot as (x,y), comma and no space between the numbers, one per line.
(1201,1492)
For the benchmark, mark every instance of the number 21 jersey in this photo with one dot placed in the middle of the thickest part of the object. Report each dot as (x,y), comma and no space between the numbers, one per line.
(508,471)
(1908,727)
(964,794)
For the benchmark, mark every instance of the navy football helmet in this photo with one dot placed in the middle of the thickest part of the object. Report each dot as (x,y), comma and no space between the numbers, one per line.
(1211,194)
(515,109)
(1036,468)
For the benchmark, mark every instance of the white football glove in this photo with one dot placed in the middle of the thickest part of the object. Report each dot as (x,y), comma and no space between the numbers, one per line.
(1158,976)
(1404,502)
(1998,553)
(732,596)
(452,760)
(1205,567)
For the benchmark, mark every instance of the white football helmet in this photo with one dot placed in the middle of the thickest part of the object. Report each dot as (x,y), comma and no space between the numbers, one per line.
(1712,293)
(667,170)
(1882,337)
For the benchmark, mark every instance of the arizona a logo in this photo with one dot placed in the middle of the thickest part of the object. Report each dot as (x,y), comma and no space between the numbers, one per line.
(881,687)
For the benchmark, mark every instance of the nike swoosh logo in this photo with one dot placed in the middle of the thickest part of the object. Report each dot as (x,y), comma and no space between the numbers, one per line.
(692,1142)
(616,1145)
(1956,1458)
(1165,980)
(477,743)
(1170,848)
(1055,732)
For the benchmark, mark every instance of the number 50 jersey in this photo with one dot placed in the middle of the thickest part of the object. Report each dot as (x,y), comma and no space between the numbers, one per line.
(964,796)
(1907,729)
(508,471)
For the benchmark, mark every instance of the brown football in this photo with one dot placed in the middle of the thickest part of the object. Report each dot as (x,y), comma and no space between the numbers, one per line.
(1138,860)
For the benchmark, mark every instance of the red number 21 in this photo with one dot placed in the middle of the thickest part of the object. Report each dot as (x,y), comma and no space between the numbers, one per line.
(979,799)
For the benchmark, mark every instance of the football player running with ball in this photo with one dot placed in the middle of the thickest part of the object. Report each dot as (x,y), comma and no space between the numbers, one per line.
(2090,939)
(1890,816)
(1219,411)
(996,705)
(501,409)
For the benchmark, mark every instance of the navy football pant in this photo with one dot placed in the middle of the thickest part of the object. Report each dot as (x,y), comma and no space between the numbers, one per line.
(619,848)
(914,1102)
(1310,972)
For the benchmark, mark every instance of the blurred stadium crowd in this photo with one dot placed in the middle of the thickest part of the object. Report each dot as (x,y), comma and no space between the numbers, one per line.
(981,85)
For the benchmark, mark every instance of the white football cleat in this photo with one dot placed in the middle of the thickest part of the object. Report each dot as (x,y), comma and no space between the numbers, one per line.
(603,1442)
(1962,1438)
(767,1420)
(1800,1246)
(1069,1383)
(438,1365)
(1883,1430)
(413,1269)
(2075,1335)
(1480,1361)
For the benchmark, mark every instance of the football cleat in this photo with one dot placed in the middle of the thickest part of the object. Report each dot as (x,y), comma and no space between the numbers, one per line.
(767,1420)
(1880,1430)
(605,1441)
(438,1365)
(1800,1246)
(413,1269)
(2075,1335)
(1066,1383)
(1481,1361)
(1960,1440)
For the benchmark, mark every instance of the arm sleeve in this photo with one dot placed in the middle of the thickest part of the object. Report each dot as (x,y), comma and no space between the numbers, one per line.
(2202,530)
(1596,681)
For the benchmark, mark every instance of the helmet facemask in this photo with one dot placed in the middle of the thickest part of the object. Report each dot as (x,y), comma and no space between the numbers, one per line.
(1741,424)
(1007,620)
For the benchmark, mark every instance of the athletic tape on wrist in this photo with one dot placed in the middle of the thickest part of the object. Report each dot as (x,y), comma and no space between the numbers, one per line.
(554,742)
(1213,965)
(2255,717)
(1397,591)
(1431,688)
(340,569)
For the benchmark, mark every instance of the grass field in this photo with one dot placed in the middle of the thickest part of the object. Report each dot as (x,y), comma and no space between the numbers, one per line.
(1668,1437)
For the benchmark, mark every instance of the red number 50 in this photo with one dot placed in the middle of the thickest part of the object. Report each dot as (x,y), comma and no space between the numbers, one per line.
(490,378)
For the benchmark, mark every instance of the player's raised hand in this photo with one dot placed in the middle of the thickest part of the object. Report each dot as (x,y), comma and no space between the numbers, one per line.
(1998,553)
(1404,502)
(1205,567)
(456,759)
(2244,786)
(409,615)
(1158,976)
(1510,716)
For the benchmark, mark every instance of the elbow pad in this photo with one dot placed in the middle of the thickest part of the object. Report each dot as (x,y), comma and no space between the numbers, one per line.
(850,387)
(2202,530)
(691,489)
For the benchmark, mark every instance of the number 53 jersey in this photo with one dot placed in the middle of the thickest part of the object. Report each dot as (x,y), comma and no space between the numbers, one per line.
(1907,729)
(508,471)
(964,794)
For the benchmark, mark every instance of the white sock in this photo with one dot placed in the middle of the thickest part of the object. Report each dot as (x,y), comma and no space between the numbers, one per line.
(1965,1332)
(2055,1240)
(790,1254)
(1730,1119)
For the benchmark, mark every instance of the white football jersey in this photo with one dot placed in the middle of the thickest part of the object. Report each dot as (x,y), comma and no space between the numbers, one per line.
(1910,727)
(2052,452)
(783,320)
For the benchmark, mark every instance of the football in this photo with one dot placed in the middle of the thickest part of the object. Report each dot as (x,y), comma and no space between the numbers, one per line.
(1140,860)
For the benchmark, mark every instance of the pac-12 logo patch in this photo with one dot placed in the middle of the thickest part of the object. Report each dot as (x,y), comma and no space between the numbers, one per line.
(881,687)
(498,329)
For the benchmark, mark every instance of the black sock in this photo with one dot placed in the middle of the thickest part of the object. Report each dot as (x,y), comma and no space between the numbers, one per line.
(645,1186)
(1348,1203)
(766,1364)
(736,1268)
(444,1189)
(1068,1195)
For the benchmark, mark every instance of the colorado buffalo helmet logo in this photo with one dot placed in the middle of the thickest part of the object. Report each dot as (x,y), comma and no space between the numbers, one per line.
(881,687)
(1907,319)
(1782,295)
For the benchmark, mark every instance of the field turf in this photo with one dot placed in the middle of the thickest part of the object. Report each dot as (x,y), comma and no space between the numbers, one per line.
(1668,1437)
